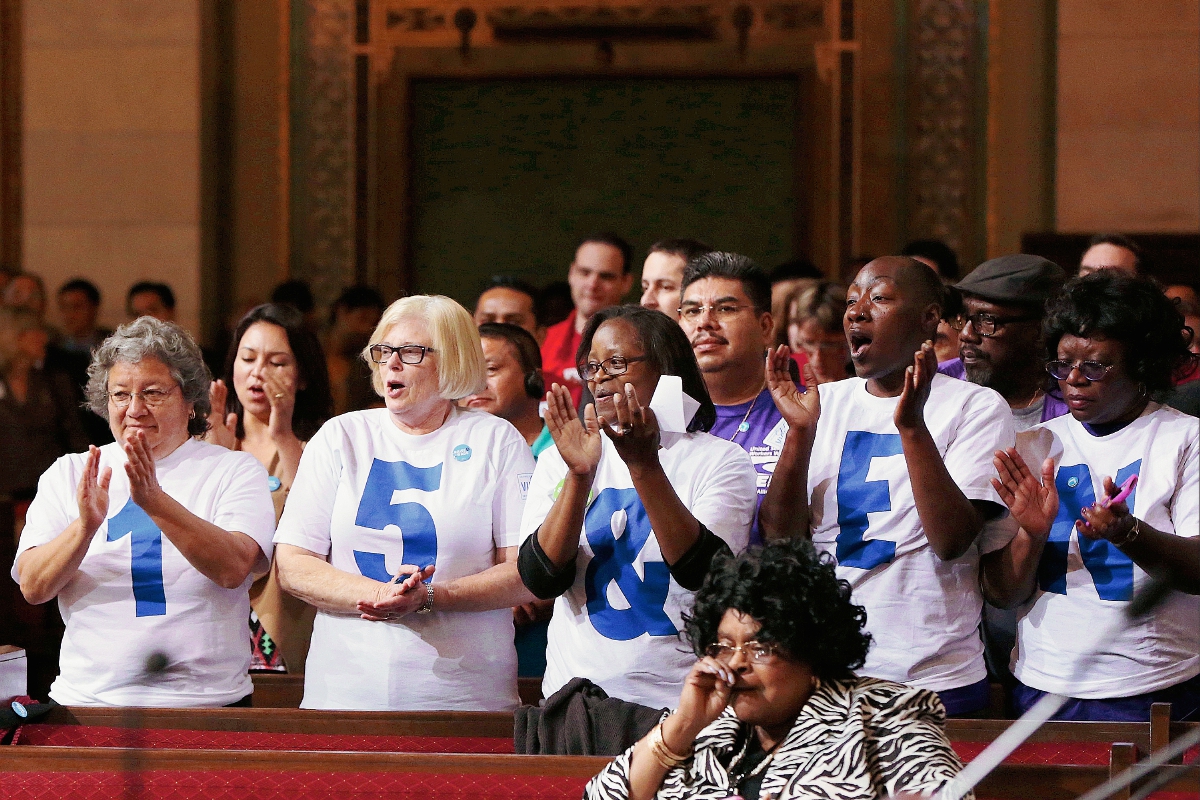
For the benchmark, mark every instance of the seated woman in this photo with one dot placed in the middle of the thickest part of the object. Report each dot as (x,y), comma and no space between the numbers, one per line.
(1079,557)
(149,542)
(280,398)
(383,495)
(645,510)
(773,709)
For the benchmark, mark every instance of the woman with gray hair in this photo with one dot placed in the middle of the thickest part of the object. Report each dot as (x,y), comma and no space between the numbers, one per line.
(149,542)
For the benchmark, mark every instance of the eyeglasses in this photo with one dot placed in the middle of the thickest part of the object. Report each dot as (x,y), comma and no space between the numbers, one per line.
(409,353)
(1090,370)
(721,311)
(756,652)
(984,324)
(153,398)
(617,365)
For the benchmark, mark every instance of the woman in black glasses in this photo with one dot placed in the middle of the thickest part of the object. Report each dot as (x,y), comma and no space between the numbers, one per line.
(773,709)
(624,517)
(383,496)
(1105,497)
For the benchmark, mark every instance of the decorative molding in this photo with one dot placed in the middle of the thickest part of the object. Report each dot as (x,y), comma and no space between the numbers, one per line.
(794,16)
(415,20)
(941,157)
(603,22)
(323,146)
(11,218)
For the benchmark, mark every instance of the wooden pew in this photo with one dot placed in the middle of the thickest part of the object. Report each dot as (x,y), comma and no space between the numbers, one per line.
(286,691)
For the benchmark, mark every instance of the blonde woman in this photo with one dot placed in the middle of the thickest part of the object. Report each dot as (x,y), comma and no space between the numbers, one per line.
(384,496)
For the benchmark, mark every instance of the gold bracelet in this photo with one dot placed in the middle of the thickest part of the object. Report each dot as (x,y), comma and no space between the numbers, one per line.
(662,753)
(1130,535)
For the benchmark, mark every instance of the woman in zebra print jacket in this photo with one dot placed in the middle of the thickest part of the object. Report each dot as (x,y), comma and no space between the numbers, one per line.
(772,709)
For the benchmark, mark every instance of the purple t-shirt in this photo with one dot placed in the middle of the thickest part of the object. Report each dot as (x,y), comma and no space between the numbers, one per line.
(759,429)
(1053,407)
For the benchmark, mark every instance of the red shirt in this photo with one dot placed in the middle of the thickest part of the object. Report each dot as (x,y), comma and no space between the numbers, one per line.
(558,357)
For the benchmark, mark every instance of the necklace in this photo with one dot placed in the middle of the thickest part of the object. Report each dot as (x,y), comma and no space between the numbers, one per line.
(744,425)
(736,777)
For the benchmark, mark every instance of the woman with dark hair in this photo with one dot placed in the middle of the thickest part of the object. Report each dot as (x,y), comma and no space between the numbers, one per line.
(624,516)
(1116,499)
(772,708)
(280,398)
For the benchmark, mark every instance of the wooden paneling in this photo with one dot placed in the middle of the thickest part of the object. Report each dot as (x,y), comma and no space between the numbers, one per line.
(10,134)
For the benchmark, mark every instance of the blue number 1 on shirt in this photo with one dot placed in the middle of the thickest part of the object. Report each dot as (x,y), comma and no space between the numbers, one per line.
(376,511)
(145,547)
(858,496)
(1111,570)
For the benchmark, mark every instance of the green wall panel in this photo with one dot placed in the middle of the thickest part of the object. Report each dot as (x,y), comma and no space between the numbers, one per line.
(508,174)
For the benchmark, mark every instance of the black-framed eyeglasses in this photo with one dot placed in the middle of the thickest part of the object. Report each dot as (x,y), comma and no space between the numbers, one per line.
(409,353)
(985,324)
(1090,370)
(756,652)
(617,365)
(153,398)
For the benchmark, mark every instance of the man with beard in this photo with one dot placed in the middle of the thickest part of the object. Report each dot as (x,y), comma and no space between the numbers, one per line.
(890,473)
(1000,338)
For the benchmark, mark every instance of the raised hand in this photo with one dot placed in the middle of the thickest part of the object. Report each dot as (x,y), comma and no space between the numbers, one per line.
(636,434)
(393,600)
(1032,502)
(223,430)
(800,409)
(910,411)
(281,394)
(706,692)
(578,443)
(92,494)
(1106,521)
(139,468)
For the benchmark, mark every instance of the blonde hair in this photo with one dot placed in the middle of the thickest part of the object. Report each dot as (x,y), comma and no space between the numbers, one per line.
(453,335)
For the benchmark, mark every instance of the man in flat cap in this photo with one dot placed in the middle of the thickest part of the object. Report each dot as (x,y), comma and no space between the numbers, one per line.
(1000,341)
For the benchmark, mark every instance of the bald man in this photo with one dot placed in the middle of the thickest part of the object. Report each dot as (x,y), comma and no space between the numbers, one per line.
(897,462)
(1110,251)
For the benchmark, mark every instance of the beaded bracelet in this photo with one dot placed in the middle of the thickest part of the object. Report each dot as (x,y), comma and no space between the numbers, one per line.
(1130,535)
(661,752)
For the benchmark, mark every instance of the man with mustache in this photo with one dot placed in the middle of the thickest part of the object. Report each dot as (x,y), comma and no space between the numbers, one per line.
(726,313)
(889,473)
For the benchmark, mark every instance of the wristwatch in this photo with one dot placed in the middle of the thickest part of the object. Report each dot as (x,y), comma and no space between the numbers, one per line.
(427,606)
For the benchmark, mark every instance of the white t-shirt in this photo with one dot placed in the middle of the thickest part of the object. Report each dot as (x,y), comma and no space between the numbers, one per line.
(135,594)
(922,612)
(1084,584)
(619,624)
(372,498)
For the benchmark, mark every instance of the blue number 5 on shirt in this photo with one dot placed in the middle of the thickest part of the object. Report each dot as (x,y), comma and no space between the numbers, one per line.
(612,560)
(858,497)
(145,547)
(376,511)
(1111,570)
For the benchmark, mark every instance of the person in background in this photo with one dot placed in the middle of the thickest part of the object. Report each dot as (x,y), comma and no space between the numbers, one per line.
(280,399)
(297,294)
(38,419)
(352,318)
(599,277)
(772,708)
(27,290)
(726,317)
(944,261)
(786,279)
(149,542)
(390,634)
(78,307)
(150,299)
(1111,251)
(662,273)
(641,510)
(1080,556)
(889,473)
(813,326)
(512,301)
(514,392)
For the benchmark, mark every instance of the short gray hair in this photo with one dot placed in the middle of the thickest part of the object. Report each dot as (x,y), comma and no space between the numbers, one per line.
(147,337)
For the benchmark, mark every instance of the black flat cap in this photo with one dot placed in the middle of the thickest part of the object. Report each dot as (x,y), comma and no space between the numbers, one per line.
(1023,279)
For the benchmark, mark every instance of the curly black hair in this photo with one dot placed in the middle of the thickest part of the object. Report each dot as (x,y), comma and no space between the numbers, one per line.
(795,594)
(1133,311)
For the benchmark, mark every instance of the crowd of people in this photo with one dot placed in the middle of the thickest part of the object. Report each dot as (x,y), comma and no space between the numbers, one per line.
(774,503)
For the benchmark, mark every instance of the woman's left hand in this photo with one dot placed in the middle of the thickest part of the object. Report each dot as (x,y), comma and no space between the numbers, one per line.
(918,379)
(144,489)
(391,601)
(281,394)
(1106,522)
(635,435)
